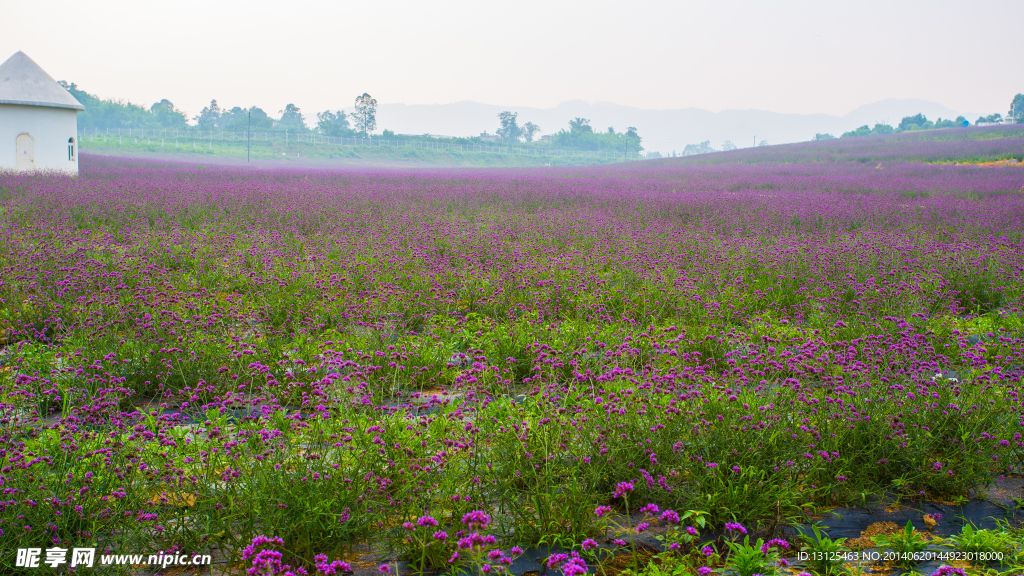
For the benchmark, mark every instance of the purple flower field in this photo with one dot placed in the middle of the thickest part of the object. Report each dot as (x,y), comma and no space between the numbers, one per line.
(284,365)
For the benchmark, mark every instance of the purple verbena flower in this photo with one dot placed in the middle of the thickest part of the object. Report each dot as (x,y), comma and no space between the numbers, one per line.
(622,489)
(735,526)
(477,518)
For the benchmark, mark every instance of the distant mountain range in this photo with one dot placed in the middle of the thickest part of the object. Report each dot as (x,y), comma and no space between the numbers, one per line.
(661,130)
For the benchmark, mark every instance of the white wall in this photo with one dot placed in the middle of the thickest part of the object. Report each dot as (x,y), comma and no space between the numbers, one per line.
(50,127)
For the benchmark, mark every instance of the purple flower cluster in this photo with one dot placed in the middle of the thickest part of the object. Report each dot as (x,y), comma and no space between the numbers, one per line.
(735,526)
(265,561)
(476,519)
(569,564)
(622,489)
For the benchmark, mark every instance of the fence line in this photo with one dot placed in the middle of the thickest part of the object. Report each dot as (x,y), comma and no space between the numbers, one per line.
(320,139)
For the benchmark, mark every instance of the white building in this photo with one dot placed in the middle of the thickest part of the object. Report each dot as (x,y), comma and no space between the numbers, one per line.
(38,119)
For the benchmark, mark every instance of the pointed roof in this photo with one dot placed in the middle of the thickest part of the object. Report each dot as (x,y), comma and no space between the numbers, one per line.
(23,82)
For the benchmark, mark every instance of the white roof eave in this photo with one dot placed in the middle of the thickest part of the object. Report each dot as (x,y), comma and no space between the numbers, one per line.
(43,104)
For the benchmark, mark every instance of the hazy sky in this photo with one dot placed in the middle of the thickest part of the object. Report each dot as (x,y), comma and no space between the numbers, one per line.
(783,56)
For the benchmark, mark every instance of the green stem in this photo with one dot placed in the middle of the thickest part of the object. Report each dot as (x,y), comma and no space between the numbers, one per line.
(629,526)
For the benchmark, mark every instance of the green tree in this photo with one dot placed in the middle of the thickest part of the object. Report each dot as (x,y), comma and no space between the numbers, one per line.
(333,124)
(915,122)
(990,118)
(365,116)
(864,130)
(252,118)
(578,124)
(826,136)
(529,130)
(583,138)
(867,131)
(234,119)
(510,130)
(728,145)
(209,117)
(291,118)
(702,148)
(102,114)
(1017,107)
(633,139)
(167,115)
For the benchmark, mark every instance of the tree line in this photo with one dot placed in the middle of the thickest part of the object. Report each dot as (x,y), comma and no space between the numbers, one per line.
(109,113)
(580,135)
(921,122)
(907,124)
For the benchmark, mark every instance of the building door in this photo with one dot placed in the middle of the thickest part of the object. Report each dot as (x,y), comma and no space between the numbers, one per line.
(26,147)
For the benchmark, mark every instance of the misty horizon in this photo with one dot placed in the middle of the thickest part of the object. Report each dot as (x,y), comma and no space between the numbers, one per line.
(662,130)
